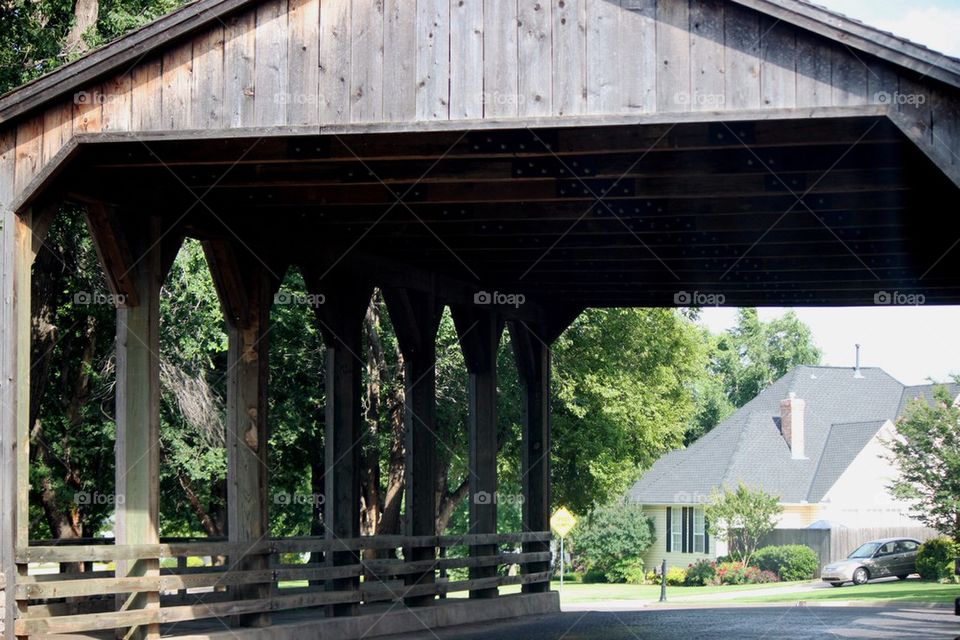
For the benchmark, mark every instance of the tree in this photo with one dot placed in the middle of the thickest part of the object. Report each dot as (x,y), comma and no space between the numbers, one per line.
(611,540)
(742,517)
(926,450)
(622,398)
(745,360)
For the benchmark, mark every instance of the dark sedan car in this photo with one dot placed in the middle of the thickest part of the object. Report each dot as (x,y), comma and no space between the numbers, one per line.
(876,559)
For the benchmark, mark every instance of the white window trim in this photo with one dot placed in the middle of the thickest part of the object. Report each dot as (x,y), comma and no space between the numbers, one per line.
(699,530)
(676,531)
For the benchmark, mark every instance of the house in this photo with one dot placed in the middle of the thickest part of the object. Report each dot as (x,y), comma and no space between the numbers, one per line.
(814,438)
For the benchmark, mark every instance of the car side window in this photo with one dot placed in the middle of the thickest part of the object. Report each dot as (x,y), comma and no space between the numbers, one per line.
(887,549)
(906,546)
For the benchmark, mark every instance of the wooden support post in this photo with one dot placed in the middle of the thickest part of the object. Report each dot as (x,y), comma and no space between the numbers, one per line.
(246,288)
(137,398)
(416,319)
(531,344)
(479,332)
(20,236)
(340,305)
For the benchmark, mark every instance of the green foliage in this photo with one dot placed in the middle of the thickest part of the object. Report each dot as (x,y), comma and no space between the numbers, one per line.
(611,540)
(745,360)
(702,572)
(742,517)
(676,576)
(790,562)
(621,398)
(927,452)
(629,571)
(936,559)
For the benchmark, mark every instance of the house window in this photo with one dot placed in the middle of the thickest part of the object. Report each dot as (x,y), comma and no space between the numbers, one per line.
(699,531)
(676,533)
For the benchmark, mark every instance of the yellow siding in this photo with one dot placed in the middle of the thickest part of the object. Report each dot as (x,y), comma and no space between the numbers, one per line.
(658,550)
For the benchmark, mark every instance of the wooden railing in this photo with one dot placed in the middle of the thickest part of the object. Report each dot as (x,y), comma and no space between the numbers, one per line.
(87,601)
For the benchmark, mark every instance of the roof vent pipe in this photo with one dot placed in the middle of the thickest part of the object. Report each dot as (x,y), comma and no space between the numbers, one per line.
(856,371)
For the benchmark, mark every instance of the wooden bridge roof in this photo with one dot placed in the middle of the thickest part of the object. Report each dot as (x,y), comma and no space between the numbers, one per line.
(603,152)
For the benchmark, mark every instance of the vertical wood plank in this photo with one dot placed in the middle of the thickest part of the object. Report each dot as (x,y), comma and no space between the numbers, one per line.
(433,59)
(366,41)
(569,57)
(303,62)
(88,110)
(673,54)
(117,109)
(270,77)
(177,82)
(741,29)
(603,57)
(535,42)
(813,72)
(917,113)
(883,84)
(335,61)
(706,55)
(638,36)
(778,67)
(239,61)
(466,59)
(945,109)
(57,129)
(206,93)
(848,77)
(29,152)
(399,68)
(500,66)
(145,95)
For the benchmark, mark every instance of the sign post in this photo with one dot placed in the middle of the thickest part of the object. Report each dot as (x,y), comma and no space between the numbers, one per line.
(562,522)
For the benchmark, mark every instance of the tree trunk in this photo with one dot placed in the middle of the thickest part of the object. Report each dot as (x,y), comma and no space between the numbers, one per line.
(85,14)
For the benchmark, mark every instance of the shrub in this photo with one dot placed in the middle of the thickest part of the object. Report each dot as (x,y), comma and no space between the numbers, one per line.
(731,573)
(676,576)
(790,561)
(653,577)
(611,540)
(764,577)
(629,571)
(936,559)
(592,576)
(701,572)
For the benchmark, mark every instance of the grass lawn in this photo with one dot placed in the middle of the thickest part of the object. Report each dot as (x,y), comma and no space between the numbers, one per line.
(574,592)
(905,591)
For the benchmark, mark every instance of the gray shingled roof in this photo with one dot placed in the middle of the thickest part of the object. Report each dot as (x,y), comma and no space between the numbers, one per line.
(842,414)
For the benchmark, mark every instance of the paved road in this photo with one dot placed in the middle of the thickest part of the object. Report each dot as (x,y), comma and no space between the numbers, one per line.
(754,623)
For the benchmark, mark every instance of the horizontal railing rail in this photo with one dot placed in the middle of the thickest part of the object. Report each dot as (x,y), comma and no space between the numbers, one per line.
(64,603)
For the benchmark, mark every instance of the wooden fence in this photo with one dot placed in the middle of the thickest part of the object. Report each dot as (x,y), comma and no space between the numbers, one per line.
(836,544)
(87,601)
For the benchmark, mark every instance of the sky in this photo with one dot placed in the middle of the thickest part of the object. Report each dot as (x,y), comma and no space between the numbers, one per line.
(934,23)
(913,344)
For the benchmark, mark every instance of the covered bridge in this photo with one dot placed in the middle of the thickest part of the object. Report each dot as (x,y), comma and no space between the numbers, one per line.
(474,154)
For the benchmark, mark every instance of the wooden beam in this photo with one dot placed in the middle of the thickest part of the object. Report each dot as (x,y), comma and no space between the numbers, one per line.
(246,289)
(340,303)
(531,344)
(416,319)
(138,407)
(479,329)
(115,255)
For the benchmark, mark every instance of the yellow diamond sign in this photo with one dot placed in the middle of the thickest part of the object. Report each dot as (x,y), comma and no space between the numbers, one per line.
(562,522)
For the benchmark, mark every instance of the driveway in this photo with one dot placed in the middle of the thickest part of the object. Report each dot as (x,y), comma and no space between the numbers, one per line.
(743,623)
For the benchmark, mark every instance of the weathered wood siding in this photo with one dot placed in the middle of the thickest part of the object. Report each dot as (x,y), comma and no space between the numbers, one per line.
(338,62)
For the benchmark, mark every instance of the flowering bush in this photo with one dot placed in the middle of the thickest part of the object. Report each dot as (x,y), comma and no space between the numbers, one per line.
(702,572)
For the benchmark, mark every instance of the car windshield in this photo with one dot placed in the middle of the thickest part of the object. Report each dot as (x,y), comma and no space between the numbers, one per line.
(865,550)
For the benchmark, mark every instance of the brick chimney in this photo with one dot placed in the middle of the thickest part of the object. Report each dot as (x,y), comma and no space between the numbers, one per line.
(791,424)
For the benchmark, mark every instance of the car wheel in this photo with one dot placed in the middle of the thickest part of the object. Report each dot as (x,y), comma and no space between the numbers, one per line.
(860,576)
(903,577)
(836,584)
